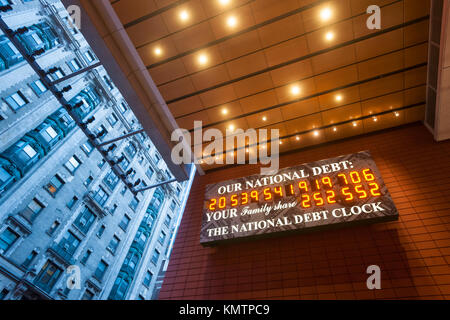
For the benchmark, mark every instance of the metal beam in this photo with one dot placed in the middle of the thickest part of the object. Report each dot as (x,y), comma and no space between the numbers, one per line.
(121,137)
(74,74)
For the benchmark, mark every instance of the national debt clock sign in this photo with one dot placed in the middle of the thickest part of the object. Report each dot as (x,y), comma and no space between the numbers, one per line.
(345,190)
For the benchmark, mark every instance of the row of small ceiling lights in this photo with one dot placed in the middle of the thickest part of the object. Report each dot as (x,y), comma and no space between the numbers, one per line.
(325,15)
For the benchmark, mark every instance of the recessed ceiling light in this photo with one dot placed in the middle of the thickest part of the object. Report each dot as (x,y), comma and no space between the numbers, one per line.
(295,90)
(334,129)
(329,36)
(224,111)
(325,14)
(224,2)
(202,59)
(281,142)
(316,133)
(184,15)
(157,51)
(397,114)
(297,138)
(231,127)
(264,118)
(231,21)
(338,98)
(375,119)
(355,123)
(246,150)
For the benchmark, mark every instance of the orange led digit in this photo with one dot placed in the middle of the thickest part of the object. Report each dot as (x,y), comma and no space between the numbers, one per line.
(318,199)
(348,195)
(344,177)
(254,195)
(362,194)
(244,198)
(317,184)
(278,191)
(368,175)
(290,190)
(354,175)
(222,202)
(267,194)
(212,205)
(234,201)
(374,189)
(326,181)
(331,197)
(306,201)
(303,186)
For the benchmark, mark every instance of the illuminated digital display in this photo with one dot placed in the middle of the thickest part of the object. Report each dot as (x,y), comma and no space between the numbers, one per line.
(346,189)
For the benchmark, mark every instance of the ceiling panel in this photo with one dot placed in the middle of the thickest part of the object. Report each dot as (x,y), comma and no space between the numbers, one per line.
(309,68)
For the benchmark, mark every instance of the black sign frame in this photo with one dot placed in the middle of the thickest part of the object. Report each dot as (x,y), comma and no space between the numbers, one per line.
(230,229)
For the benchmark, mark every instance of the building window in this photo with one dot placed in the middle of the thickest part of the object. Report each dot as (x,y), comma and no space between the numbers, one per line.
(111,180)
(89,56)
(32,210)
(125,163)
(114,244)
(7,239)
(55,184)
(29,259)
(101,132)
(48,133)
(86,256)
(125,222)
(16,101)
(120,288)
(112,119)
(69,243)
(108,82)
(157,157)
(72,202)
(48,276)
(131,150)
(58,74)
(147,279)
(88,181)
(85,220)
(167,220)
(172,205)
(150,172)
(73,164)
(155,257)
(87,147)
(101,270)
(124,190)
(100,196)
(74,65)
(38,87)
(87,295)
(53,227)
(123,108)
(3,294)
(100,231)
(162,237)
(134,203)
(114,208)
(131,260)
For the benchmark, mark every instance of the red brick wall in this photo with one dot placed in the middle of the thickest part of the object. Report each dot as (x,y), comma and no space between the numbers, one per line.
(413,253)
